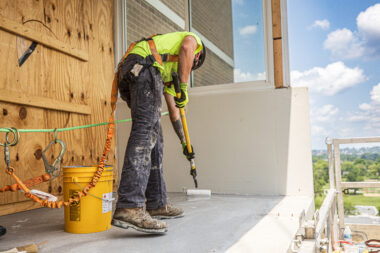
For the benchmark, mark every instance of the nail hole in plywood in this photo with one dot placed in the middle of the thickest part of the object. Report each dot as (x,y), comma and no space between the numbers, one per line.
(5,112)
(17,157)
(69,32)
(59,189)
(38,154)
(53,7)
(50,189)
(72,158)
(22,113)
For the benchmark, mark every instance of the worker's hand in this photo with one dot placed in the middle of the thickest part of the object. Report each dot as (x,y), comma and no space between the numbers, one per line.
(188,155)
(184,99)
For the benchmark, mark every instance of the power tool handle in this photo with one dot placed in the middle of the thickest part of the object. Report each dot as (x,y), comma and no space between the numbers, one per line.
(176,82)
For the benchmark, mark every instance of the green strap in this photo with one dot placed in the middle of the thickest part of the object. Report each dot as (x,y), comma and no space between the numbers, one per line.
(67,128)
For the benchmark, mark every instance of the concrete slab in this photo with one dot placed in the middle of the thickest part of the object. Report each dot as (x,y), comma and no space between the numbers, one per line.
(212,225)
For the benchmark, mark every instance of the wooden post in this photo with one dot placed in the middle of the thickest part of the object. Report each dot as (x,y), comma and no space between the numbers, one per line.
(277,44)
(338,176)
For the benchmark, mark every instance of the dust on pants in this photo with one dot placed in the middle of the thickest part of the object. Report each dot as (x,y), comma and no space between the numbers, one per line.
(142,178)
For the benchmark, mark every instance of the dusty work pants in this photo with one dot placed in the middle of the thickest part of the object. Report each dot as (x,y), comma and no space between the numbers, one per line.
(141,179)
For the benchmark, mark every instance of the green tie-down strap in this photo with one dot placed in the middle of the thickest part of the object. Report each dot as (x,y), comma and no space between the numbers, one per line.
(16,132)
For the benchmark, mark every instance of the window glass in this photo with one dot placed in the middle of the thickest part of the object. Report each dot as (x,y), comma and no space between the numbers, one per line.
(248,37)
(233,32)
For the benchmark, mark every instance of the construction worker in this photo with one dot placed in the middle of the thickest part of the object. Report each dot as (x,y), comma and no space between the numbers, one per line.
(142,81)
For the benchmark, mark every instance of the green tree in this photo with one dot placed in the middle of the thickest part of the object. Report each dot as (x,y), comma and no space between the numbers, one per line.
(321,175)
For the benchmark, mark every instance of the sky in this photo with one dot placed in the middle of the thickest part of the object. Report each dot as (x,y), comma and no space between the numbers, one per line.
(334,50)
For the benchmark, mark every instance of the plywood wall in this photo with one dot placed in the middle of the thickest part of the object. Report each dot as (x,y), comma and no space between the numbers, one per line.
(58,79)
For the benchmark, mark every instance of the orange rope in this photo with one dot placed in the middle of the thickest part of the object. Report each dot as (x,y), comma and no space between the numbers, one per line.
(29,183)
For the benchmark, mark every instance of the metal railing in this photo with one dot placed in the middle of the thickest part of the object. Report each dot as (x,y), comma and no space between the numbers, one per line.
(340,186)
(327,229)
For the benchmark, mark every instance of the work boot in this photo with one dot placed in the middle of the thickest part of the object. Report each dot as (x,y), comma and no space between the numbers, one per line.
(166,212)
(138,219)
(2,230)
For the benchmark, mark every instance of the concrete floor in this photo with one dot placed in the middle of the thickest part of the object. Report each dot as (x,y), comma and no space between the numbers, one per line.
(209,225)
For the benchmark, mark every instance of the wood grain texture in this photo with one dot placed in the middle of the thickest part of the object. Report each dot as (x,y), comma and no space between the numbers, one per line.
(277,44)
(43,102)
(61,79)
(46,40)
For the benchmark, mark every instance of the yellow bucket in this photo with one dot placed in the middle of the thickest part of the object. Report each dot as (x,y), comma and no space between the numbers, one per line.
(93,213)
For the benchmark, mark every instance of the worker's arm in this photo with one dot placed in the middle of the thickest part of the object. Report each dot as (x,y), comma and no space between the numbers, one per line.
(174,117)
(185,63)
(186,58)
(177,125)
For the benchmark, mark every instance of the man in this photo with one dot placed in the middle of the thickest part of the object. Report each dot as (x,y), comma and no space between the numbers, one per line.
(141,83)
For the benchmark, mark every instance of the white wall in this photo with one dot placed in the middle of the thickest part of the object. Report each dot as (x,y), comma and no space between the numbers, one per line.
(247,140)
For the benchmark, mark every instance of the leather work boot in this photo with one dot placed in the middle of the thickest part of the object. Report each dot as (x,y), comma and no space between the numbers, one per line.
(138,219)
(166,212)
(3,230)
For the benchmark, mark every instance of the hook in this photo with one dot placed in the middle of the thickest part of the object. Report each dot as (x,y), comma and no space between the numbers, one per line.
(55,168)
(16,137)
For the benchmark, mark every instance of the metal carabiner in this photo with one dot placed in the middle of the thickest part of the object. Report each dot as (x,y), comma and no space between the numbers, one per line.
(7,156)
(54,169)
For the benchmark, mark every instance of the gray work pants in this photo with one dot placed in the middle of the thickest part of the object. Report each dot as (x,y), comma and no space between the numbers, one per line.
(142,179)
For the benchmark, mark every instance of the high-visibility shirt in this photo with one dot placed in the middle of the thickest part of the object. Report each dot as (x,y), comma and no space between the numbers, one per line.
(169,43)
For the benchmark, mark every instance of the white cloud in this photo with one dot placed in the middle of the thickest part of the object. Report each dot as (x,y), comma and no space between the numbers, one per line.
(369,113)
(344,44)
(323,24)
(324,113)
(368,23)
(375,94)
(248,30)
(356,118)
(318,130)
(240,76)
(334,78)
(365,107)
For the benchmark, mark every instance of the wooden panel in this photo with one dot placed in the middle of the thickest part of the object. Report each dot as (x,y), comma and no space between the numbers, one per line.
(278,66)
(277,44)
(360,185)
(276,19)
(83,24)
(43,102)
(372,230)
(15,28)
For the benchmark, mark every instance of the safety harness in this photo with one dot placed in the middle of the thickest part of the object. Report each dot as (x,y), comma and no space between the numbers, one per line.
(160,58)
(154,57)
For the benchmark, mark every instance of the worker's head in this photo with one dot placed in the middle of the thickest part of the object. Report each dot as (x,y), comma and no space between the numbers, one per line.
(199,58)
